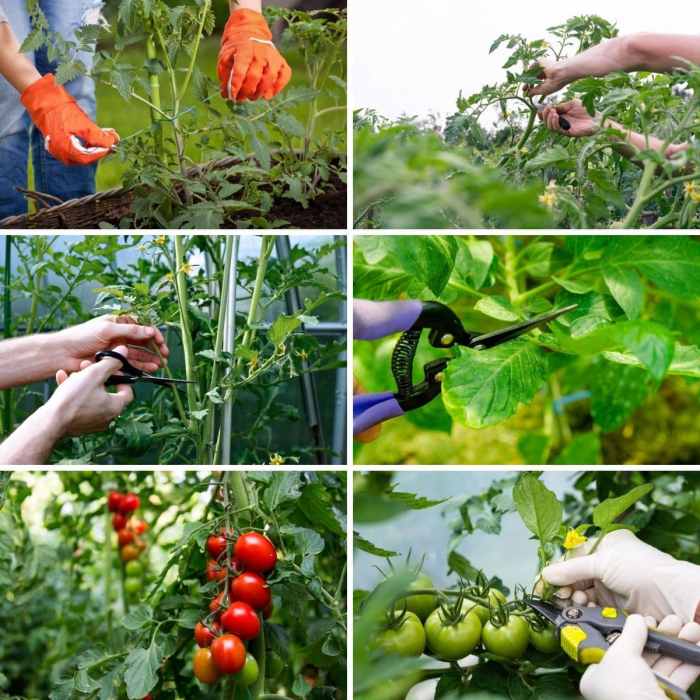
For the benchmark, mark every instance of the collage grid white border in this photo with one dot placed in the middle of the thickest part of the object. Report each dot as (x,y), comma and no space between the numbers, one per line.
(349,446)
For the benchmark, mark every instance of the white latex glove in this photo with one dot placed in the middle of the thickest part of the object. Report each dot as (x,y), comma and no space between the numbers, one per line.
(680,674)
(623,674)
(624,572)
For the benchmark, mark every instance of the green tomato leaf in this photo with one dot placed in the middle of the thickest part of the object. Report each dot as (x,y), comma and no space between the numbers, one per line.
(428,258)
(485,387)
(649,342)
(617,391)
(474,261)
(366,546)
(496,307)
(142,666)
(282,327)
(607,512)
(583,449)
(686,360)
(539,508)
(534,448)
(627,289)
(557,155)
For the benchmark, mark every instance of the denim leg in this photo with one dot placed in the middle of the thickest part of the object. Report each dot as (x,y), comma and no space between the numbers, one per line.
(14,127)
(14,152)
(52,177)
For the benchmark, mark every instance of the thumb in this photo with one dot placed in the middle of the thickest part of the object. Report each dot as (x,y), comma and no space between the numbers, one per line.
(571,571)
(633,638)
(109,365)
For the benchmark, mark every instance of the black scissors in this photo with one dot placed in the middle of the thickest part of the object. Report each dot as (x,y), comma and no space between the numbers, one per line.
(587,633)
(132,374)
(445,331)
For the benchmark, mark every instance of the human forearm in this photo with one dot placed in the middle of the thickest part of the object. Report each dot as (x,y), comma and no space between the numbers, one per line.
(634,142)
(255,5)
(653,52)
(14,66)
(30,359)
(34,440)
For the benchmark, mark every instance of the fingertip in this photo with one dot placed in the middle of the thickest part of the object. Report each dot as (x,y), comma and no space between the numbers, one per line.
(85,364)
(61,376)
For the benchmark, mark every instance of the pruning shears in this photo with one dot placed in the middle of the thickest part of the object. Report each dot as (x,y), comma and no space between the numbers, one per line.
(564,123)
(131,374)
(377,319)
(587,633)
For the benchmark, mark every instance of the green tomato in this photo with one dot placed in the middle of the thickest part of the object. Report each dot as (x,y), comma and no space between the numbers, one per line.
(249,673)
(545,641)
(452,642)
(132,585)
(421,605)
(273,665)
(406,639)
(495,597)
(133,568)
(510,640)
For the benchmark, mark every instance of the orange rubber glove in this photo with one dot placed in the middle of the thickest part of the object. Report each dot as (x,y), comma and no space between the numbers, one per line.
(250,67)
(70,135)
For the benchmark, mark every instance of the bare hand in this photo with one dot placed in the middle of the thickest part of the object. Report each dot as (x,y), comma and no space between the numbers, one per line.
(553,78)
(82,402)
(82,342)
(582,123)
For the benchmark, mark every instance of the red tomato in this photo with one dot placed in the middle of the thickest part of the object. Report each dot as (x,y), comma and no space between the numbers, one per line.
(267,612)
(140,527)
(240,619)
(215,572)
(216,545)
(114,501)
(130,503)
(228,652)
(119,521)
(255,552)
(204,667)
(125,537)
(252,589)
(129,553)
(217,602)
(204,635)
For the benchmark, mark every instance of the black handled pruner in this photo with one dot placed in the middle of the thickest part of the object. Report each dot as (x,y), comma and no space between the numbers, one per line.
(446,331)
(131,374)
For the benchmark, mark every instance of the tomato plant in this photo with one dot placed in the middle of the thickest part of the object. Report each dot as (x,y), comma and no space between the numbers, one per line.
(245,319)
(160,639)
(598,385)
(491,518)
(493,165)
(277,160)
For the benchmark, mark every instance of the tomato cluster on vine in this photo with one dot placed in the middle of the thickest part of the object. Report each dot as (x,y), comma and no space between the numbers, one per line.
(477,617)
(235,612)
(130,531)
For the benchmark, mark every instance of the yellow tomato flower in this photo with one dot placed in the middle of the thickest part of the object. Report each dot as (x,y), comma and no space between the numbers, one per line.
(692,191)
(276,459)
(161,240)
(186,268)
(549,198)
(574,539)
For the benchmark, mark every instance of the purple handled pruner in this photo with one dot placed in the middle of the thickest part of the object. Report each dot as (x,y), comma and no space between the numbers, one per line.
(376,319)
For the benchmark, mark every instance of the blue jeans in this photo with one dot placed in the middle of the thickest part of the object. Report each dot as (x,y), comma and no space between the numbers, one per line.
(18,137)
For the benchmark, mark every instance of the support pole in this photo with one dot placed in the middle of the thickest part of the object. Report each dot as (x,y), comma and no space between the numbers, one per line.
(307,380)
(230,347)
(341,405)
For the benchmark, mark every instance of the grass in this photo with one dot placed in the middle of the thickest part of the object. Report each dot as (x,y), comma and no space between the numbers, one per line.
(128,117)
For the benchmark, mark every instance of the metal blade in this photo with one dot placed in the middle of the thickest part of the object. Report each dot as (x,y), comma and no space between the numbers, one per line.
(164,381)
(490,340)
(547,610)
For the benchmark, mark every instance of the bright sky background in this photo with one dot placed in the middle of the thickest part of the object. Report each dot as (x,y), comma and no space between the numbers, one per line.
(414,56)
